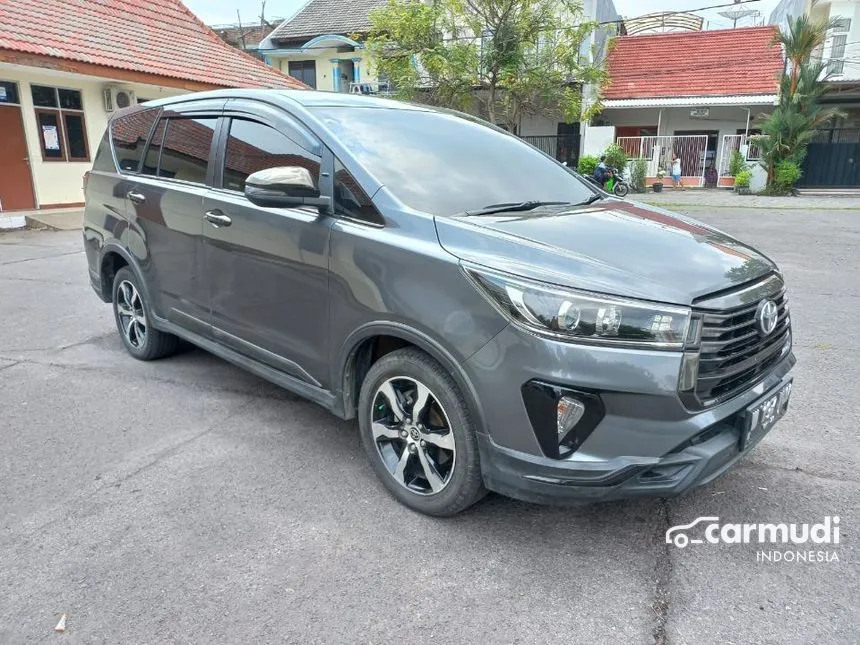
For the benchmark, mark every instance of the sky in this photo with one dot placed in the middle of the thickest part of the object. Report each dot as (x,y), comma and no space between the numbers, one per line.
(215,12)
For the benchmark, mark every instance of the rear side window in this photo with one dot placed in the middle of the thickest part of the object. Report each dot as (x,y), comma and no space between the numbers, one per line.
(253,146)
(186,149)
(129,135)
(104,158)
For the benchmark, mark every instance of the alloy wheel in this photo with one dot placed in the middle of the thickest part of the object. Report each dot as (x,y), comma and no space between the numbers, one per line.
(413,435)
(132,318)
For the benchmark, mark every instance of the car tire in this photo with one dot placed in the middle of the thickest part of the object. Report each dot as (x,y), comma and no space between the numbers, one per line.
(133,320)
(428,461)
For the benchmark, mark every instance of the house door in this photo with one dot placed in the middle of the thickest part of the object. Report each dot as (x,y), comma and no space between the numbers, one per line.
(16,183)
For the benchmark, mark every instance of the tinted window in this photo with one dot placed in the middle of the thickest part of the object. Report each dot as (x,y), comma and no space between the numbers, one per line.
(186,149)
(253,146)
(104,159)
(445,164)
(350,199)
(129,135)
(150,163)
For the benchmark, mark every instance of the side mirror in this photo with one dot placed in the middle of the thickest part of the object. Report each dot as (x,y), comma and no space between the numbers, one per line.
(284,187)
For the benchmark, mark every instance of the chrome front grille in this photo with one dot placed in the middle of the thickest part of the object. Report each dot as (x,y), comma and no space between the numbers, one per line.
(734,354)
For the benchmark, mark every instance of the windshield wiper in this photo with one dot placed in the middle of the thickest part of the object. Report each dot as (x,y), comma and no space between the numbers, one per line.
(512,207)
(591,200)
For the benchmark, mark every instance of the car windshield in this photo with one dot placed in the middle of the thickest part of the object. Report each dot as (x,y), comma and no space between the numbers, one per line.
(445,164)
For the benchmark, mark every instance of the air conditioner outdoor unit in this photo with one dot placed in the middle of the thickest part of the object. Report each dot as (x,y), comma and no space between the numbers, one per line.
(116,98)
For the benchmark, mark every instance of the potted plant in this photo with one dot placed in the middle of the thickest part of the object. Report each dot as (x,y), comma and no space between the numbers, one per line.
(658,185)
(742,182)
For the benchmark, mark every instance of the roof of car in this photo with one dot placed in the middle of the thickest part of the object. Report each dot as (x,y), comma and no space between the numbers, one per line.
(306,98)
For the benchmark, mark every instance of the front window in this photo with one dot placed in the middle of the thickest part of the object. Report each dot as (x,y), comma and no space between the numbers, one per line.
(445,164)
(253,146)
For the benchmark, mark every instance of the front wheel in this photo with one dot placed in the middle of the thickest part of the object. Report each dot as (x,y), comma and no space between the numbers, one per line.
(417,432)
(621,189)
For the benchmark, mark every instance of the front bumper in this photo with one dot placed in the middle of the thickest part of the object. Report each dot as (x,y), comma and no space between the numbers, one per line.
(647,442)
(551,481)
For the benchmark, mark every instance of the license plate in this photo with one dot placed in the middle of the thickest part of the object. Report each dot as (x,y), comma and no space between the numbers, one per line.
(761,416)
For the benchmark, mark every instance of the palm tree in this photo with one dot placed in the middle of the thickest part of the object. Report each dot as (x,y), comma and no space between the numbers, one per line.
(800,41)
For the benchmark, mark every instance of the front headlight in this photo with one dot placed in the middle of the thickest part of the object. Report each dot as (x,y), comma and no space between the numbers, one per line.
(581,316)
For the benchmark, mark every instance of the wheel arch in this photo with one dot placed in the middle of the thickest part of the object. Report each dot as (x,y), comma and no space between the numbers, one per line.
(113,258)
(350,371)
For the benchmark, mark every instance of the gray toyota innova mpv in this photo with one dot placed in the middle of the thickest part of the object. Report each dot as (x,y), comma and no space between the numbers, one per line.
(492,320)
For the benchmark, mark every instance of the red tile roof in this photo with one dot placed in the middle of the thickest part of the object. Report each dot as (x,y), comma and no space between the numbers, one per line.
(158,37)
(726,62)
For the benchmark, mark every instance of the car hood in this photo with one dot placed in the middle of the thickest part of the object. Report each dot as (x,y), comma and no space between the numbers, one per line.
(612,246)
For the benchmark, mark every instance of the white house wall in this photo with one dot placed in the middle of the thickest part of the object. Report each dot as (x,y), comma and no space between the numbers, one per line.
(824,11)
(850,10)
(725,120)
(60,182)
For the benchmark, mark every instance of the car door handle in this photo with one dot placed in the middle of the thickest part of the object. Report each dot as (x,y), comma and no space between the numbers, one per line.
(135,198)
(218,219)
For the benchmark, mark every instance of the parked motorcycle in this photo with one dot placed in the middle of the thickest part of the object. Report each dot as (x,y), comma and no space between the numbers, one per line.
(614,183)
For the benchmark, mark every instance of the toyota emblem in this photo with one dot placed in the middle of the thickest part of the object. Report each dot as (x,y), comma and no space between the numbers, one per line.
(767,316)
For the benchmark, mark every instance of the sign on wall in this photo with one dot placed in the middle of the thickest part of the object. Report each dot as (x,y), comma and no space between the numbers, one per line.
(51,136)
(700,113)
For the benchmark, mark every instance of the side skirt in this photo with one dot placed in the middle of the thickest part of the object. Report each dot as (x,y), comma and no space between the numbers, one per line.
(318,395)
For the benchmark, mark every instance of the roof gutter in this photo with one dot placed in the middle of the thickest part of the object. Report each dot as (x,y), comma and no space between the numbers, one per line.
(693,101)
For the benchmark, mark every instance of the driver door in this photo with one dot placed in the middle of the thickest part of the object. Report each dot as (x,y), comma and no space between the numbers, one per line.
(267,267)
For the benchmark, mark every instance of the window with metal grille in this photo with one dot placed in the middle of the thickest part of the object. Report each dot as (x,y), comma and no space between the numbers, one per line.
(838,42)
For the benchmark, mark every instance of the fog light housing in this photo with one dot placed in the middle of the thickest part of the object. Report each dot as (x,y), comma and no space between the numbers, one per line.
(569,411)
(562,417)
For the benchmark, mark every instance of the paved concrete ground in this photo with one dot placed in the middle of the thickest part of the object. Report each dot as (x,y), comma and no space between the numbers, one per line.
(722,198)
(57,219)
(186,501)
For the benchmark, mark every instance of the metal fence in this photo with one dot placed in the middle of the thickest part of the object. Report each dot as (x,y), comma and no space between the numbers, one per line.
(563,147)
(837,135)
(658,152)
(732,143)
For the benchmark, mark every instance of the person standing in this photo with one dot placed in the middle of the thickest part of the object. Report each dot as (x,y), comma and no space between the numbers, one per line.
(676,170)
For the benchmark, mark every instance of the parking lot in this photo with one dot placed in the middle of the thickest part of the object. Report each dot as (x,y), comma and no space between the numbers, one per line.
(187,501)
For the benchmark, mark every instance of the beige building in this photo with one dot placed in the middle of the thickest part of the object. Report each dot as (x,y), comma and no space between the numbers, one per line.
(65,67)
(321,47)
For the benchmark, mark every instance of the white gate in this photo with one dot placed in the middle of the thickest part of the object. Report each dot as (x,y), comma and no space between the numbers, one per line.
(691,149)
(737,143)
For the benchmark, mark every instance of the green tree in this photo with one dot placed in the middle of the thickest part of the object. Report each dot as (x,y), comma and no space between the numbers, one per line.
(503,59)
(799,43)
(788,130)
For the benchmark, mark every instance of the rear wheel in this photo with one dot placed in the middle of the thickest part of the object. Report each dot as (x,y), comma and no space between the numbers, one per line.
(133,320)
(417,433)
